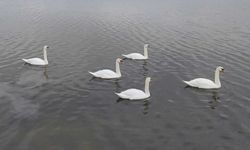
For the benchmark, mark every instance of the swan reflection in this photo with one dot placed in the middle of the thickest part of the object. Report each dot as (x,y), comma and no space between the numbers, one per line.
(145,104)
(34,77)
(215,100)
(212,94)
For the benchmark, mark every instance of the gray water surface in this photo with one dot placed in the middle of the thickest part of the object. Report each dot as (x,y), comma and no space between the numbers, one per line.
(61,107)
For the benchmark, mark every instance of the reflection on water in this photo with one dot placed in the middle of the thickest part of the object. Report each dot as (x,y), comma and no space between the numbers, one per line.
(61,106)
(212,95)
(215,100)
(144,66)
(45,73)
(144,103)
(32,76)
(146,106)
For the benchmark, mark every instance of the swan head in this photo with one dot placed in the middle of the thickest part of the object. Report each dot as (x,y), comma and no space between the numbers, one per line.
(119,60)
(146,45)
(46,47)
(220,69)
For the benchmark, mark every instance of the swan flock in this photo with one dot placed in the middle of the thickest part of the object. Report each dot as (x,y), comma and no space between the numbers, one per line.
(135,94)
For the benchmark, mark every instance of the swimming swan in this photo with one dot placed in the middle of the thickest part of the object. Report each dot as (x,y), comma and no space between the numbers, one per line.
(138,56)
(107,73)
(39,61)
(135,94)
(206,83)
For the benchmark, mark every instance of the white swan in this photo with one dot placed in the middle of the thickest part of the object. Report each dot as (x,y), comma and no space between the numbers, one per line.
(39,61)
(107,73)
(206,83)
(138,56)
(135,94)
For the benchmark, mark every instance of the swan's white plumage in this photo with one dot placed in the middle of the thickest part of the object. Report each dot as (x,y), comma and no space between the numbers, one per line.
(38,61)
(132,94)
(107,73)
(138,56)
(35,61)
(206,83)
(135,94)
(201,83)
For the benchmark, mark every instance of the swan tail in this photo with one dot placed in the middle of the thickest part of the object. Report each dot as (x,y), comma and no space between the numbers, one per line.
(25,60)
(119,94)
(186,82)
(92,73)
(124,55)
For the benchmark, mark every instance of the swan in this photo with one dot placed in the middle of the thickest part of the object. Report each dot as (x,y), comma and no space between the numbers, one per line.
(135,94)
(206,83)
(39,61)
(107,73)
(138,56)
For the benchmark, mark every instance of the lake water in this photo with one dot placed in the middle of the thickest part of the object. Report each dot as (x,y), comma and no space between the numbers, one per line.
(61,107)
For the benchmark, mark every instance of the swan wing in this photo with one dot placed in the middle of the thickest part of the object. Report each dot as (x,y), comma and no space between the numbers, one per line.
(134,56)
(201,83)
(132,94)
(35,61)
(105,73)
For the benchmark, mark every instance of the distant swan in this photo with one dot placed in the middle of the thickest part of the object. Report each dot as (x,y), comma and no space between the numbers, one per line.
(135,94)
(206,83)
(138,56)
(107,73)
(39,61)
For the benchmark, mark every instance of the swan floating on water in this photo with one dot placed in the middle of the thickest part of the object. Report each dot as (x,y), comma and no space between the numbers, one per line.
(39,61)
(135,94)
(107,73)
(206,83)
(138,56)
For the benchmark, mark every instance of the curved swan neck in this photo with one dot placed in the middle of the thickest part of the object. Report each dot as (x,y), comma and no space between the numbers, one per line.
(45,54)
(117,68)
(217,77)
(147,87)
(146,51)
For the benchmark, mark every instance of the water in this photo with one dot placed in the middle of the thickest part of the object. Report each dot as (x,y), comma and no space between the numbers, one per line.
(62,107)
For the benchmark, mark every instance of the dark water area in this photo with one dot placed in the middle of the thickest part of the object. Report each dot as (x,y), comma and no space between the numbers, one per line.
(61,107)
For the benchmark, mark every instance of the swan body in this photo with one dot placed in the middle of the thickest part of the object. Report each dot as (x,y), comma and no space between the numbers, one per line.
(138,56)
(35,61)
(135,94)
(107,73)
(206,83)
(39,61)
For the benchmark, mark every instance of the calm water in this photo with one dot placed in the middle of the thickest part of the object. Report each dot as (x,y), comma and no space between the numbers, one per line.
(62,107)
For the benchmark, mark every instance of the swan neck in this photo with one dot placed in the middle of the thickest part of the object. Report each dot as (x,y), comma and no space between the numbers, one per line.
(217,77)
(146,52)
(117,68)
(147,87)
(45,55)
